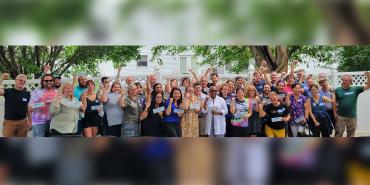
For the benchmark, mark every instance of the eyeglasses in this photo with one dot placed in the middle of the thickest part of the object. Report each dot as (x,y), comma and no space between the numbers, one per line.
(48,80)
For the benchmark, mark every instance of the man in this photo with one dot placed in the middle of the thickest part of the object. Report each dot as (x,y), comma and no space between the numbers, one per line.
(57,82)
(81,88)
(214,79)
(41,99)
(346,96)
(15,122)
(239,81)
(215,109)
(204,84)
(104,82)
(258,82)
(265,96)
(331,108)
(276,116)
(130,80)
(201,116)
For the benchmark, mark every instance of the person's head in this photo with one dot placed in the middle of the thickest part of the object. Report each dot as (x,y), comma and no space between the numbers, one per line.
(290,79)
(190,90)
(257,77)
(324,83)
(67,90)
(274,76)
(174,83)
(280,85)
(152,80)
(251,91)
(310,81)
(176,95)
(314,90)
(231,85)
(296,89)
(139,87)
(321,76)
(240,93)
(105,80)
(213,91)
(82,81)
(185,82)
(300,73)
(197,89)
(158,98)
(20,81)
(203,81)
(346,81)
(129,80)
(115,88)
(90,86)
(57,82)
(267,88)
(158,88)
(274,98)
(239,80)
(224,90)
(214,77)
(132,90)
(47,81)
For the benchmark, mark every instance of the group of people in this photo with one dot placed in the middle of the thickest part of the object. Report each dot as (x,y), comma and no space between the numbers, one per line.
(269,105)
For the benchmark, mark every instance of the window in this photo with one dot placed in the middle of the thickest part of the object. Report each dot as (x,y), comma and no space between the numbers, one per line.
(183,65)
(143,62)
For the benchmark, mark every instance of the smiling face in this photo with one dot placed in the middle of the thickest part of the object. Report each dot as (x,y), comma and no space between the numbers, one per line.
(116,88)
(213,92)
(90,86)
(225,90)
(68,90)
(158,98)
(48,82)
(274,98)
(346,81)
(314,91)
(240,94)
(297,90)
(267,89)
(158,88)
(176,94)
(20,81)
(82,80)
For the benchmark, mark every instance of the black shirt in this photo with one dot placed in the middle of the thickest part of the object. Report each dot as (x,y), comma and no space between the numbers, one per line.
(16,104)
(274,116)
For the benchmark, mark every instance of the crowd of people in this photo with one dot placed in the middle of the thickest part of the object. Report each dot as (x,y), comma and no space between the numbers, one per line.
(270,104)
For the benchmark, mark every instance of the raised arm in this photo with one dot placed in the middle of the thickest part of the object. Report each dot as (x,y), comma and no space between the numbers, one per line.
(169,107)
(307,108)
(144,114)
(3,77)
(104,96)
(262,112)
(194,75)
(232,106)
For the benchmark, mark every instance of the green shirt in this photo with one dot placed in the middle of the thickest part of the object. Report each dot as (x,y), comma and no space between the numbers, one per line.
(347,100)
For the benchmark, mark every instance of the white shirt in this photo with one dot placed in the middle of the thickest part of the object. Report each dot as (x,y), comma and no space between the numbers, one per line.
(218,104)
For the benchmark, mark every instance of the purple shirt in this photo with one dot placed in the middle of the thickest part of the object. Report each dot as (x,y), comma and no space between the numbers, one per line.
(40,101)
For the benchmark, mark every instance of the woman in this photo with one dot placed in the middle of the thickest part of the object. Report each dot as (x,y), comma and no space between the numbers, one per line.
(140,93)
(92,120)
(65,111)
(299,107)
(189,120)
(241,108)
(319,116)
(132,110)
(113,118)
(231,86)
(157,88)
(152,116)
(290,80)
(225,94)
(254,120)
(173,113)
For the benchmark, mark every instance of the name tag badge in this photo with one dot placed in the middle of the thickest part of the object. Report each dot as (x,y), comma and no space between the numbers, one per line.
(281,110)
(96,101)
(282,95)
(277,119)
(300,100)
(314,104)
(300,119)
(322,104)
(38,105)
(178,111)
(25,99)
(195,106)
(158,110)
(96,107)
(348,93)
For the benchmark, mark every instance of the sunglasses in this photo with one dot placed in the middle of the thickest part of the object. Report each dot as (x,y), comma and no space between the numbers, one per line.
(48,80)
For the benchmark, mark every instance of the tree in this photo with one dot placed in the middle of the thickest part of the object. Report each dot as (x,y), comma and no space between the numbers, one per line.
(63,60)
(355,58)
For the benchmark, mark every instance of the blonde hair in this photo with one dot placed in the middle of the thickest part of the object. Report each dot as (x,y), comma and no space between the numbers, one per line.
(251,87)
(21,76)
(64,86)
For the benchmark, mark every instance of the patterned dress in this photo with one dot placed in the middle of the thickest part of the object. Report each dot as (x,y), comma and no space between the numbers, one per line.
(189,121)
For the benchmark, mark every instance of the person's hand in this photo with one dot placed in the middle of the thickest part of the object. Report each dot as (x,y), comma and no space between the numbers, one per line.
(335,117)
(209,70)
(171,100)
(59,97)
(263,63)
(5,76)
(191,70)
(187,95)
(295,62)
(317,123)
(215,112)
(285,119)
(367,74)
(82,107)
(84,95)
(147,105)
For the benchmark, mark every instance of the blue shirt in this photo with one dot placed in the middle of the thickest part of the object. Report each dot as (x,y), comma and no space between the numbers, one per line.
(259,86)
(78,92)
(173,117)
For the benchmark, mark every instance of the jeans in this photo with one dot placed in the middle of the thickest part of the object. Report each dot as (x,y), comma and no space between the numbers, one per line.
(41,130)
(130,130)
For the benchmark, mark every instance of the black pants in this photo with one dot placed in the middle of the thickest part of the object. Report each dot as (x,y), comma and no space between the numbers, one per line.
(323,128)
(239,131)
(114,130)
(173,130)
(228,127)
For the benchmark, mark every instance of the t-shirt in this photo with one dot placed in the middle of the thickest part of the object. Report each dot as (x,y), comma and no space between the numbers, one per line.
(259,86)
(274,116)
(113,110)
(347,100)
(40,101)
(78,91)
(241,111)
(173,117)
(131,111)
(16,104)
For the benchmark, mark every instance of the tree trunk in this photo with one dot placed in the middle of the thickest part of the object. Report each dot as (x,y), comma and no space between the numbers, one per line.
(277,62)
